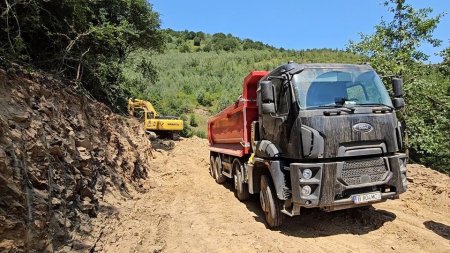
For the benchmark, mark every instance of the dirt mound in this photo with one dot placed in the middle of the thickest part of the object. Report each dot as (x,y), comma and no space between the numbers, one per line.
(189,212)
(59,154)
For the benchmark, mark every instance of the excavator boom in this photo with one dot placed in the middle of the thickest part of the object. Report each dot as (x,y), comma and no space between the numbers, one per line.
(141,104)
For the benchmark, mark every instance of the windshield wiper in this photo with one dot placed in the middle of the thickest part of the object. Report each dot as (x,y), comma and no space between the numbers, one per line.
(337,107)
(377,104)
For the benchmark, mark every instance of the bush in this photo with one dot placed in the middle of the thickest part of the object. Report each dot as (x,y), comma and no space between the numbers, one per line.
(193,121)
(187,130)
(200,134)
(184,48)
(205,99)
(197,41)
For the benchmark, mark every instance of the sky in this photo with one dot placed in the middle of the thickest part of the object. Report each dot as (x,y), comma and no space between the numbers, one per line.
(293,24)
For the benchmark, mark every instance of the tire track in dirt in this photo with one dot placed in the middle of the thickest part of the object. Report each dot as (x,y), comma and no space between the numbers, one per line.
(186,211)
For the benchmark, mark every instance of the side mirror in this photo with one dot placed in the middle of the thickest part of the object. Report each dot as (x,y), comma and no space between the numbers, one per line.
(268,108)
(397,87)
(266,92)
(398,103)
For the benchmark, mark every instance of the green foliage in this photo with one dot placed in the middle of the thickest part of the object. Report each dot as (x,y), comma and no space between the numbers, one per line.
(427,120)
(205,99)
(147,69)
(445,66)
(200,134)
(394,47)
(394,50)
(209,79)
(197,41)
(224,42)
(187,129)
(193,121)
(86,41)
(184,48)
(216,42)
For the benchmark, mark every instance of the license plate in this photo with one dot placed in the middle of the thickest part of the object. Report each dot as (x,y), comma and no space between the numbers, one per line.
(367,197)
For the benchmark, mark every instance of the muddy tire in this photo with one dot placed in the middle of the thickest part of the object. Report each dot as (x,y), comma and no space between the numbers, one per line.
(220,178)
(212,166)
(270,203)
(240,188)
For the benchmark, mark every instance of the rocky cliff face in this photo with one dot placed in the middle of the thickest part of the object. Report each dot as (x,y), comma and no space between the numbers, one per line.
(59,153)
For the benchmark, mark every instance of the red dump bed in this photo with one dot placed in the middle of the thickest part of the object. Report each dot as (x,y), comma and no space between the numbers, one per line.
(229,130)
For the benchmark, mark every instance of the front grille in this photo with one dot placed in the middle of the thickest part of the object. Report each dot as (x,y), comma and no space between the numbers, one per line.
(366,171)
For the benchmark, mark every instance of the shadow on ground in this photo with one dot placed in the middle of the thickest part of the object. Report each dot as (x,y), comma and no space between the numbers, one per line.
(314,222)
(438,228)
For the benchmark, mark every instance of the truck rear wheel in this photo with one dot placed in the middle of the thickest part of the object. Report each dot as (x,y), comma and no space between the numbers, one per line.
(270,203)
(220,178)
(240,187)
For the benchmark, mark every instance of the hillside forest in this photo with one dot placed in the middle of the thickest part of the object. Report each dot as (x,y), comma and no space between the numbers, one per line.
(113,50)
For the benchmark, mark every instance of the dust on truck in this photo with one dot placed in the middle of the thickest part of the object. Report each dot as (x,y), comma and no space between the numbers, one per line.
(311,136)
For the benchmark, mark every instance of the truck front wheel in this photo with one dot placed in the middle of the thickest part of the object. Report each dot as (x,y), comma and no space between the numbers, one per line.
(240,187)
(270,204)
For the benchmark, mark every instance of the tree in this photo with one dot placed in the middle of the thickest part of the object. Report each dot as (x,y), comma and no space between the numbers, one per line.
(197,41)
(86,41)
(200,35)
(445,65)
(394,47)
(394,50)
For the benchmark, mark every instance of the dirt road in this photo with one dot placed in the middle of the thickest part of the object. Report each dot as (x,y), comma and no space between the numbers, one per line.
(186,211)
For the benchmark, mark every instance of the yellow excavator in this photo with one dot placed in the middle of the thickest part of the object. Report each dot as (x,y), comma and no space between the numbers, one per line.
(154,124)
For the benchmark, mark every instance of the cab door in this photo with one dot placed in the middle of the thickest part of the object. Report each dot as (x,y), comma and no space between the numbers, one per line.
(283,102)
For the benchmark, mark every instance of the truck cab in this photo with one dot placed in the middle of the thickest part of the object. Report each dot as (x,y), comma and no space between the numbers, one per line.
(326,136)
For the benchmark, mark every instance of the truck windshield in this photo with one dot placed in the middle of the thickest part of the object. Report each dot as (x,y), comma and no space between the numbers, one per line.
(322,87)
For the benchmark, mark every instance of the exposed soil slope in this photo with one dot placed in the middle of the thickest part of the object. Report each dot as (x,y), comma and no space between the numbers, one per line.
(187,211)
(59,154)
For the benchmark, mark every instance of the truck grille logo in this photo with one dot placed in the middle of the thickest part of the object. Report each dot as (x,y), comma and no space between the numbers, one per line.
(362,127)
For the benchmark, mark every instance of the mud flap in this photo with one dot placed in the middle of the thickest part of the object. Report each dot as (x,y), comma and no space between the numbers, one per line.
(278,179)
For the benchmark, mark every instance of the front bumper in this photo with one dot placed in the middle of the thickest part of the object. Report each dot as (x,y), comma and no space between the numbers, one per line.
(334,184)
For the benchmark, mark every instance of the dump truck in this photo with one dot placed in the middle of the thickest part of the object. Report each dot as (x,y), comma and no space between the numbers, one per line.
(311,136)
(154,124)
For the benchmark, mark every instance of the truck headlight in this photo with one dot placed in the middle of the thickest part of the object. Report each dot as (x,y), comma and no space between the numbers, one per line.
(307,173)
(306,190)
